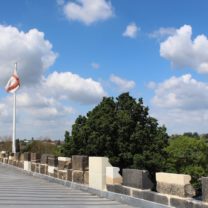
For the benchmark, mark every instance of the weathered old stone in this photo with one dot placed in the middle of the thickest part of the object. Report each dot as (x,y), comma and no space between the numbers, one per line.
(43,169)
(69,174)
(64,163)
(35,157)
(78,176)
(174,184)
(55,174)
(80,162)
(62,174)
(150,196)
(118,189)
(21,164)
(33,167)
(137,179)
(175,189)
(27,156)
(205,189)
(52,161)
(86,177)
(44,158)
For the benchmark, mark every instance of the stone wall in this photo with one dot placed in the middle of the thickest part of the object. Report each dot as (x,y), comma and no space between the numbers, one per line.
(97,173)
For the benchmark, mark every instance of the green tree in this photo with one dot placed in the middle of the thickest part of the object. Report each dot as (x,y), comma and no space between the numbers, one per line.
(188,155)
(122,130)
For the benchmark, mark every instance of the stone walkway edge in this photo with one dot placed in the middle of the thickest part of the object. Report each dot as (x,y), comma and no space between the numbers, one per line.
(104,194)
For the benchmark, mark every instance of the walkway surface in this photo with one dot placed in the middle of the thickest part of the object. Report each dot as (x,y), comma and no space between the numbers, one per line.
(20,190)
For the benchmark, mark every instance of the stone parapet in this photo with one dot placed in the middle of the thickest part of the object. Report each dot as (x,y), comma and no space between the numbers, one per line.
(113,176)
(137,178)
(167,183)
(80,162)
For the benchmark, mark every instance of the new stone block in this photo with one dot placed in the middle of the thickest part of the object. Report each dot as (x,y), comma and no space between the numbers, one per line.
(64,163)
(51,169)
(27,156)
(80,162)
(150,196)
(119,189)
(174,184)
(35,157)
(113,176)
(52,161)
(137,179)
(205,189)
(97,172)
(86,177)
(78,176)
(27,165)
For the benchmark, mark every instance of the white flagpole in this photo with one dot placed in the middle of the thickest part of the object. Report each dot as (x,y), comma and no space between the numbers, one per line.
(14,120)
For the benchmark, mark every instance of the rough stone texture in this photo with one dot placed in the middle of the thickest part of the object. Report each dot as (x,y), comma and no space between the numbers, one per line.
(205,189)
(21,164)
(179,203)
(175,189)
(27,156)
(137,179)
(86,177)
(52,161)
(35,157)
(55,174)
(43,169)
(62,174)
(33,167)
(44,158)
(119,189)
(80,162)
(63,165)
(78,176)
(69,174)
(151,196)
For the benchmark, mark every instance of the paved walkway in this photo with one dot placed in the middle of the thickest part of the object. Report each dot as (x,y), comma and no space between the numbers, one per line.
(20,190)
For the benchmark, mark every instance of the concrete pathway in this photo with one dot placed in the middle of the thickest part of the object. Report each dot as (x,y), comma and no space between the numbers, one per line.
(20,190)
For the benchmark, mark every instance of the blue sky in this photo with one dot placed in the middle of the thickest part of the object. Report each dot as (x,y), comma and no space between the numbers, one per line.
(71,53)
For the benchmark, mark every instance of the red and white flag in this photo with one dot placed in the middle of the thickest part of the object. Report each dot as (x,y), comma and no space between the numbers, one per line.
(13,83)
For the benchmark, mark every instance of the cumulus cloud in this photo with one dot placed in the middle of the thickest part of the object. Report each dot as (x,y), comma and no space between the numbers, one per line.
(163,32)
(46,109)
(30,49)
(181,104)
(72,86)
(123,85)
(88,11)
(131,30)
(183,52)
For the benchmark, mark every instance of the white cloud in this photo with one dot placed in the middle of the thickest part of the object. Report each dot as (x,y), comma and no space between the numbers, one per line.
(131,30)
(95,65)
(181,103)
(183,52)
(31,50)
(122,84)
(163,32)
(74,87)
(60,2)
(88,11)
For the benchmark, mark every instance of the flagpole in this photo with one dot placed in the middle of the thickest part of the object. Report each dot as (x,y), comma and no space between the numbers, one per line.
(14,120)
